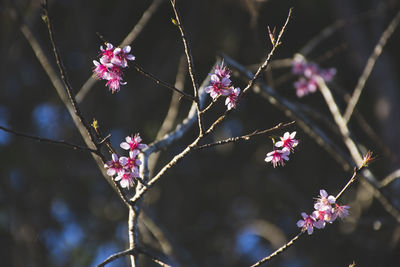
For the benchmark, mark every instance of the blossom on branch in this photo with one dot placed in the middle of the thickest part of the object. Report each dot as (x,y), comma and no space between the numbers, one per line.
(133,143)
(326,211)
(221,86)
(126,168)
(287,144)
(112,61)
(277,157)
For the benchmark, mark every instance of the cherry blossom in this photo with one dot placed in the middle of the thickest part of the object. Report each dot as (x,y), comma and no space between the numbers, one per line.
(309,71)
(113,166)
(232,99)
(126,178)
(277,157)
(112,61)
(324,213)
(341,211)
(309,222)
(132,162)
(221,86)
(288,141)
(133,143)
(324,201)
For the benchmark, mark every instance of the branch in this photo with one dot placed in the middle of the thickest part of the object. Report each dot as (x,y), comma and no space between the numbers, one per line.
(165,84)
(278,251)
(63,72)
(390,178)
(370,65)
(129,252)
(189,59)
(245,137)
(136,30)
(50,141)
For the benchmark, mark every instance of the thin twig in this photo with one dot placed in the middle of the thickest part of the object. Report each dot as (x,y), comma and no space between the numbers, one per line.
(63,72)
(50,141)
(270,54)
(278,251)
(136,30)
(165,84)
(189,59)
(370,65)
(129,252)
(245,137)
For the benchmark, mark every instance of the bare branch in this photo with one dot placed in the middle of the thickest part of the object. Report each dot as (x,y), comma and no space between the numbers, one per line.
(50,141)
(189,59)
(165,84)
(245,137)
(130,252)
(278,251)
(370,65)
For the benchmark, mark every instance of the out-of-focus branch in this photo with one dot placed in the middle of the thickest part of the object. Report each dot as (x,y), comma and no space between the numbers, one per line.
(136,30)
(245,137)
(189,59)
(390,178)
(370,65)
(173,109)
(50,141)
(337,25)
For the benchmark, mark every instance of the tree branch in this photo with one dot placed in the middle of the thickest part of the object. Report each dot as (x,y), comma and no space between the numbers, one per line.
(50,141)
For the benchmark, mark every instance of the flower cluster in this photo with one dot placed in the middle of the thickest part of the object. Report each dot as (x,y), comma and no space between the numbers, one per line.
(126,168)
(221,85)
(309,71)
(326,211)
(112,61)
(286,145)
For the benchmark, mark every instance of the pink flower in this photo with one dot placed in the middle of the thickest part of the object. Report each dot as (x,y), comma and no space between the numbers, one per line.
(106,54)
(304,87)
(309,71)
(126,178)
(309,222)
(232,99)
(221,85)
(298,66)
(277,157)
(288,141)
(341,211)
(133,143)
(121,55)
(100,71)
(112,61)
(132,162)
(113,166)
(324,202)
(222,71)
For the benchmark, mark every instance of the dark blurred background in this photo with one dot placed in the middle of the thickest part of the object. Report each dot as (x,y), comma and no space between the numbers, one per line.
(219,207)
